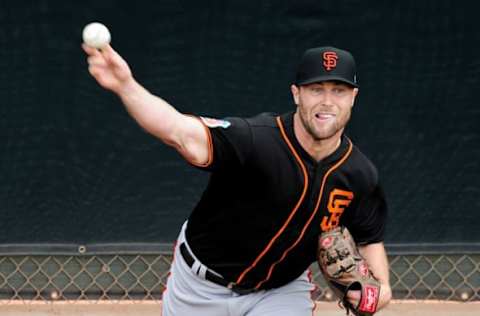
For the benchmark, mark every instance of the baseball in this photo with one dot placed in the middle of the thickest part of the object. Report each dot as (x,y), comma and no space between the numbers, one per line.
(96,35)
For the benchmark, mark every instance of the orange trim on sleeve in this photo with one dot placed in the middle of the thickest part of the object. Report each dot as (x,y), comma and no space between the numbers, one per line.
(210,146)
(284,255)
(292,213)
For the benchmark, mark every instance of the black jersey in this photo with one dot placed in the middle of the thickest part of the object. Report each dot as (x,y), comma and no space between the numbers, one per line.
(267,201)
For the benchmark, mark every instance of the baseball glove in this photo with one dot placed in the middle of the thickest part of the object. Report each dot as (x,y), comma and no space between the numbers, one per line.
(344,269)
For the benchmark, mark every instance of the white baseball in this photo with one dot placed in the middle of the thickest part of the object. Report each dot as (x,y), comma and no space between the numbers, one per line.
(96,35)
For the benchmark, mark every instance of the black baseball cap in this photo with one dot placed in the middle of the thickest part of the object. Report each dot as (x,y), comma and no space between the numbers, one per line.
(326,63)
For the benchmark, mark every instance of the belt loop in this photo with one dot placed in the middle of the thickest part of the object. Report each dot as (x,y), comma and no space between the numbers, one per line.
(202,272)
(196,266)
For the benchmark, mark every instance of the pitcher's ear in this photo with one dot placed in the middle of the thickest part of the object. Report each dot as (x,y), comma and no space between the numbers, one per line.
(295,91)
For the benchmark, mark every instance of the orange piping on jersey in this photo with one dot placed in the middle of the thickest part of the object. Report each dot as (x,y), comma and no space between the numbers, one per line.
(210,147)
(292,213)
(350,146)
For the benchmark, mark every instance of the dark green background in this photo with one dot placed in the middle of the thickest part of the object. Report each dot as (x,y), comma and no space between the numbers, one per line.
(75,168)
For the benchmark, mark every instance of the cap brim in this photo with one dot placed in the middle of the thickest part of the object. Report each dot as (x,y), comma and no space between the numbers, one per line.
(326,78)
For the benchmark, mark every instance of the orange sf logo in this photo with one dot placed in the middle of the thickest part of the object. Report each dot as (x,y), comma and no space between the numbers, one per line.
(330,60)
(337,202)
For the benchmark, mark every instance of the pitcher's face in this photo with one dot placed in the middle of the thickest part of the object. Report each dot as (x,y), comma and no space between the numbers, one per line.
(324,108)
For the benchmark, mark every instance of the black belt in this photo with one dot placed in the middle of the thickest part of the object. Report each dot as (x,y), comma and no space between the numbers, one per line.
(212,277)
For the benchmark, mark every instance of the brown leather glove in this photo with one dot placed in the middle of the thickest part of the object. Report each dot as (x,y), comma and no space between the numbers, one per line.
(344,269)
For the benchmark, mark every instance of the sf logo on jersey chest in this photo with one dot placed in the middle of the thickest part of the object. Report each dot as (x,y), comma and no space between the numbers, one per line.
(338,201)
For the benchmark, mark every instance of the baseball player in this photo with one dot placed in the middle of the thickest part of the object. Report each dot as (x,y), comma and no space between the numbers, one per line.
(276,183)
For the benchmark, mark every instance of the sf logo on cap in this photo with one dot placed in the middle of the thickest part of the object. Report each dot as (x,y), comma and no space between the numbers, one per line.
(329,60)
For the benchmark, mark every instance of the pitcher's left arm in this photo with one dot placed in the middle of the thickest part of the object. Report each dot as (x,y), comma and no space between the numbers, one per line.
(376,258)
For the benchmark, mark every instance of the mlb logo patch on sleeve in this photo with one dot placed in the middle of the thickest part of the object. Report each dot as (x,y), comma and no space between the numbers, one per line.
(213,123)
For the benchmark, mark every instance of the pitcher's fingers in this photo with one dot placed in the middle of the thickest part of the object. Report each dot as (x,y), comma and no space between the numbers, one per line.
(94,71)
(100,68)
(97,60)
(112,56)
(90,50)
(98,71)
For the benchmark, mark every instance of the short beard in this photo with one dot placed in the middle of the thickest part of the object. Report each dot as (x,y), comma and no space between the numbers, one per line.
(310,130)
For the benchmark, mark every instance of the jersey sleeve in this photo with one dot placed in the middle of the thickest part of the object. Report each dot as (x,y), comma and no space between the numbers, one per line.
(231,142)
(367,221)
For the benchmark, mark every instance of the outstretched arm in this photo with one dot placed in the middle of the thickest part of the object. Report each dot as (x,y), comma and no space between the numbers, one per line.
(185,133)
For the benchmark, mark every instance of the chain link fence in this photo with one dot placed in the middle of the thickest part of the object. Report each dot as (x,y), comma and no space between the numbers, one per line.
(126,275)
(427,277)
